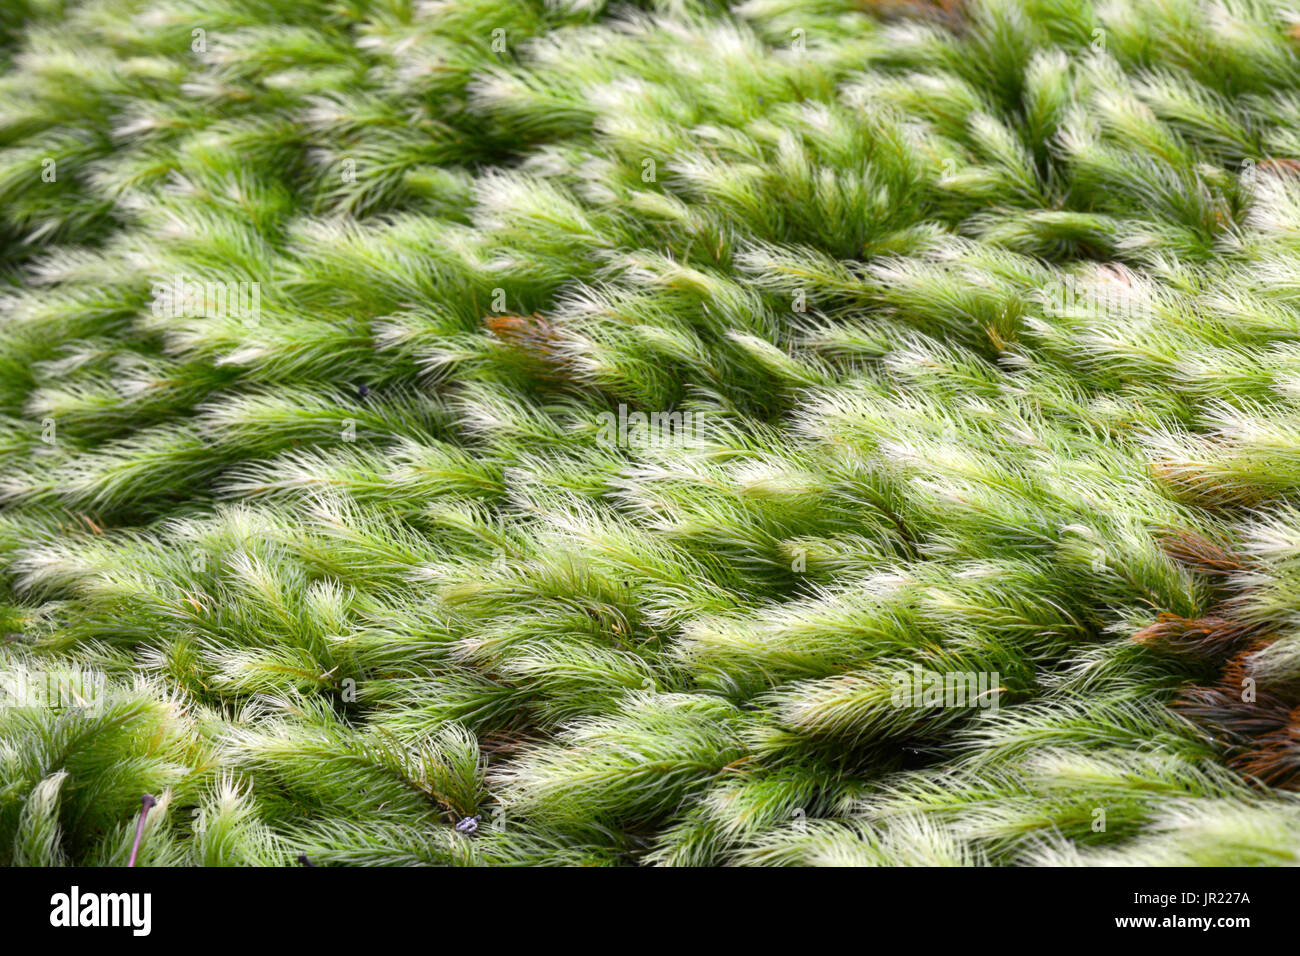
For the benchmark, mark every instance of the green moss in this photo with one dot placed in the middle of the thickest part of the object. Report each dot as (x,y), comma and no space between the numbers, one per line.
(600,421)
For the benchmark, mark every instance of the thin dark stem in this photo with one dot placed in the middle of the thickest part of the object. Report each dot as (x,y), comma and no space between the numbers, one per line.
(146,804)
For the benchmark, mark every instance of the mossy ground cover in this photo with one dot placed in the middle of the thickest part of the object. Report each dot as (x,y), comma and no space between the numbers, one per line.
(521,432)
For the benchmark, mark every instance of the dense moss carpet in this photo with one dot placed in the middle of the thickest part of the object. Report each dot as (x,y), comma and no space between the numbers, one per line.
(514,432)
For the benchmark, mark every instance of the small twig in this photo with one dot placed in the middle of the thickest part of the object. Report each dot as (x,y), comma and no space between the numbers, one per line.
(146,804)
